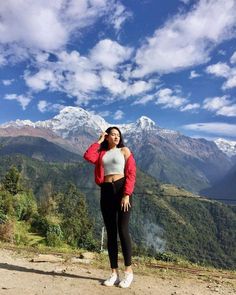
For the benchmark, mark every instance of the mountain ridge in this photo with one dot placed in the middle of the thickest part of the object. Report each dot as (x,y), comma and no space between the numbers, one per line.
(70,116)
(166,154)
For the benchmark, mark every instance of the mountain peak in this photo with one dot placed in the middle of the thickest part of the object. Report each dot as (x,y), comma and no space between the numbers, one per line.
(74,110)
(145,123)
(18,124)
(226,146)
(71,118)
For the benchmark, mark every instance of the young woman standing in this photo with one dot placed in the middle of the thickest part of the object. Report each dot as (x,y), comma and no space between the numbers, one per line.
(115,173)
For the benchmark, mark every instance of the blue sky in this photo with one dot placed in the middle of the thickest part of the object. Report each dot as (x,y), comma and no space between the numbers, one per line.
(173,61)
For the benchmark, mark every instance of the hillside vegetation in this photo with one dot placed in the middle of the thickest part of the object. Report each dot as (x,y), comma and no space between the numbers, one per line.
(58,203)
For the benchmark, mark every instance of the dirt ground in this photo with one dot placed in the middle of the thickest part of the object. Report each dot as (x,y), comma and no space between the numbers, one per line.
(20,276)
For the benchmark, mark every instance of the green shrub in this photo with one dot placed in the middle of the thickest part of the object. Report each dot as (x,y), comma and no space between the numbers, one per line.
(54,235)
(7,231)
(6,203)
(39,224)
(168,257)
(21,233)
(3,217)
(25,206)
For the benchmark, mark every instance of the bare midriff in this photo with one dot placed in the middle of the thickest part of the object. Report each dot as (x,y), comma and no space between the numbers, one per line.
(113,177)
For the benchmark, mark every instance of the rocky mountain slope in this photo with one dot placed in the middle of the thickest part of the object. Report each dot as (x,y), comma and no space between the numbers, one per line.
(165,154)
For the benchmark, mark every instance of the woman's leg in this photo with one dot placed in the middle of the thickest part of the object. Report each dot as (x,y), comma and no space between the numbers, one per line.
(109,213)
(123,222)
(123,227)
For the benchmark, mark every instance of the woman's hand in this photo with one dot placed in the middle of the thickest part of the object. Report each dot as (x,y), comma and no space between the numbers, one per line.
(102,137)
(125,204)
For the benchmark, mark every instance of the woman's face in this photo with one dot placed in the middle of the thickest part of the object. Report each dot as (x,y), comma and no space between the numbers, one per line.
(113,138)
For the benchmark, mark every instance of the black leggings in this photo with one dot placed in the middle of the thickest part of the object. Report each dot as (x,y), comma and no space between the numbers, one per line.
(114,217)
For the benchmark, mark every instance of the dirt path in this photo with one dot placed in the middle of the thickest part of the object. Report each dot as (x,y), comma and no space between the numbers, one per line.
(20,276)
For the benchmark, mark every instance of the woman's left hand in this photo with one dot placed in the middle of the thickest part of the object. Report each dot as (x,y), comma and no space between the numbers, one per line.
(125,204)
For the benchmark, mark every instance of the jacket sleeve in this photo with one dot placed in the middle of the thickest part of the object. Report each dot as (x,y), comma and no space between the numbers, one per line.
(92,153)
(130,175)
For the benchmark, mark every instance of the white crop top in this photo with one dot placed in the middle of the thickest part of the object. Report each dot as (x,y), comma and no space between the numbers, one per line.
(113,162)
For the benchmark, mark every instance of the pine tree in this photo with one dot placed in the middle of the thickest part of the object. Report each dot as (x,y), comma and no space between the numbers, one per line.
(76,224)
(11,181)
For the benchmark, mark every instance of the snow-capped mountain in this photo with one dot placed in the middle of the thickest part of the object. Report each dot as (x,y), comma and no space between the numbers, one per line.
(18,124)
(226,146)
(68,119)
(71,118)
(166,154)
(140,125)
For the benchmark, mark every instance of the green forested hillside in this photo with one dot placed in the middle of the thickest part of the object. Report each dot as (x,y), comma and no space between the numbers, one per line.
(163,220)
(37,148)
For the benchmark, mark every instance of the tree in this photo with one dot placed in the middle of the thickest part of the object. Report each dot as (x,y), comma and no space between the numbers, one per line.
(76,223)
(25,206)
(11,181)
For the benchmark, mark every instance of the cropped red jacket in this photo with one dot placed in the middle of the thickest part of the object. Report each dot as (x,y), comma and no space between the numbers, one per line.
(94,155)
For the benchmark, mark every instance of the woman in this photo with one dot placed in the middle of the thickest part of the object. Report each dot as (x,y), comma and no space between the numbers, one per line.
(115,173)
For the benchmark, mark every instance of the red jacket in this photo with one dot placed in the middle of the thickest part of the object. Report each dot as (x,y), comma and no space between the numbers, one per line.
(94,155)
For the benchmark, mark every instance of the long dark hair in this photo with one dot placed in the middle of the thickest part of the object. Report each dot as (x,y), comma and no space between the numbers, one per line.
(104,144)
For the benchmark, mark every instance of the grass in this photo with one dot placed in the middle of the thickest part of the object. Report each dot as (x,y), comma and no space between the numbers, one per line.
(173,191)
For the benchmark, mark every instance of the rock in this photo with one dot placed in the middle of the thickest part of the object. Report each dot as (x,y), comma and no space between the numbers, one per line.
(47,258)
(87,255)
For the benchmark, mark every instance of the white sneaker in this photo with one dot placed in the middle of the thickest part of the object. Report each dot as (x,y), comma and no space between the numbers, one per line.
(112,280)
(126,282)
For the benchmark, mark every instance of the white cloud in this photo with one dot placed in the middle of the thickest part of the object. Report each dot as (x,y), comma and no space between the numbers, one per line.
(215,103)
(119,16)
(103,113)
(111,81)
(190,107)
(144,100)
(7,82)
(109,53)
(138,87)
(218,128)
(30,25)
(188,38)
(220,70)
(14,53)
(194,74)
(22,99)
(33,24)
(169,99)
(44,106)
(224,71)
(3,60)
(79,76)
(118,115)
(71,73)
(222,52)
(231,82)
(185,1)
(228,111)
(233,58)
(220,106)
(40,80)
